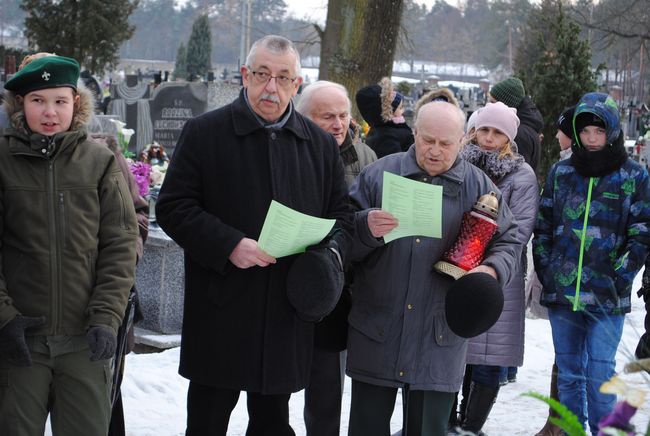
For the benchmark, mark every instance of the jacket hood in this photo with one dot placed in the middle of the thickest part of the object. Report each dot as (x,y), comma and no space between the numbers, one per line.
(82,115)
(605,108)
(529,115)
(444,93)
(375,102)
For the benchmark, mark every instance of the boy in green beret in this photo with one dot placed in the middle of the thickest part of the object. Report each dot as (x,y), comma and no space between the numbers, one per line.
(67,256)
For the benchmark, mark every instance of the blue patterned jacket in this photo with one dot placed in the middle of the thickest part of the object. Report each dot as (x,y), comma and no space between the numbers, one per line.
(615,244)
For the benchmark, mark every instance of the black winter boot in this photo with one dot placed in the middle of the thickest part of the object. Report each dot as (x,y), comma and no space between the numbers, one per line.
(480,402)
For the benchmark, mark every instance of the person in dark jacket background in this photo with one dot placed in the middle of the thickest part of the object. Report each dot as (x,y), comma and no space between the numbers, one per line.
(382,108)
(240,332)
(512,93)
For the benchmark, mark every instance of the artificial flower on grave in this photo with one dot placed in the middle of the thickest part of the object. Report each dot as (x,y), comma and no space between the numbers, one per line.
(617,422)
(157,175)
(142,173)
(123,137)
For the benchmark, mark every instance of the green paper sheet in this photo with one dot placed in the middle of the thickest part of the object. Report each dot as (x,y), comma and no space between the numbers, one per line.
(286,231)
(416,205)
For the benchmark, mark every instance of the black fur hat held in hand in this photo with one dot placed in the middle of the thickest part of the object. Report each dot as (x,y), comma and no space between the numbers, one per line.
(473,304)
(314,283)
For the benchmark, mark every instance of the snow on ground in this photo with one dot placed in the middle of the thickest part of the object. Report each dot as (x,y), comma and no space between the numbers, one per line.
(154,393)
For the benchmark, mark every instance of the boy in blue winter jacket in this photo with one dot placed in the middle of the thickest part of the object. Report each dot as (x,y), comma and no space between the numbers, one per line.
(591,239)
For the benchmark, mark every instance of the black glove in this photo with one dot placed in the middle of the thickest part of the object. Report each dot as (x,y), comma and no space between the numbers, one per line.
(12,339)
(102,342)
(643,348)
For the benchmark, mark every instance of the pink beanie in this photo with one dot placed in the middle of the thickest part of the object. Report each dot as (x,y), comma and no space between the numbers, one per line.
(471,122)
(499,116)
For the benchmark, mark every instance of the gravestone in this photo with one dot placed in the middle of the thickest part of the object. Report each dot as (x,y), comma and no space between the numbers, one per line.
(131,105)
(104,124)
(221,94)
(172,104)
(160,283)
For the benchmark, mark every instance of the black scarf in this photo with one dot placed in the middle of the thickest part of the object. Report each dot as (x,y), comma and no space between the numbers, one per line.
(495,167)
(599,163)
(348,152)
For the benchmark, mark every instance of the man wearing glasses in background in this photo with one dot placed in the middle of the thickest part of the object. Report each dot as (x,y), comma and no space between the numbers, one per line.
(240,333)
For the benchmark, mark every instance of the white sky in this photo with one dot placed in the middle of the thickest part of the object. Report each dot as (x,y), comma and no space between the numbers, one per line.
(316,10)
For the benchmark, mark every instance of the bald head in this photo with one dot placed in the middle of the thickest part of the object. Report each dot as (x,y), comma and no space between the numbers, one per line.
(437,111)
(327,104)
(438,132)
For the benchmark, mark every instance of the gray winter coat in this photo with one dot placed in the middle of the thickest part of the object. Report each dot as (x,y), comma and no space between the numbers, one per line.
(503,344)
(398,332)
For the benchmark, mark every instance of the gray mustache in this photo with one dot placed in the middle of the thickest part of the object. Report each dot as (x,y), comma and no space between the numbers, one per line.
(271,97)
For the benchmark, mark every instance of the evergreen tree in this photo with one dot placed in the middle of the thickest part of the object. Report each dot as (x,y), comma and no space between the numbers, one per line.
(555,66)
(180,67)
(90,31)
(199,48)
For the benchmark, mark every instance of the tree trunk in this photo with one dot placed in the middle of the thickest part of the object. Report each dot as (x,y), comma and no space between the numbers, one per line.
(359,42)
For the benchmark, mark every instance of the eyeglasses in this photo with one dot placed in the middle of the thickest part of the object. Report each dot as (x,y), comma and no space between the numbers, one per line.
(263,78)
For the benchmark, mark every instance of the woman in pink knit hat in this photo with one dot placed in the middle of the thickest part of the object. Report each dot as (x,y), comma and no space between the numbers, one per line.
(492,148)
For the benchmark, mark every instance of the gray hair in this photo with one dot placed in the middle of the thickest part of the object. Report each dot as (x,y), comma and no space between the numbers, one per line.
(275,44)
(449,106)
(303,105)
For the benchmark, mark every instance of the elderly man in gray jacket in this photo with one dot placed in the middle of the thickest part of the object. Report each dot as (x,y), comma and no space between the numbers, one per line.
(399,336)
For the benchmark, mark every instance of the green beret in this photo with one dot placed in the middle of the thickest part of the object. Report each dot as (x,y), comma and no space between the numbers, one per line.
(46,72)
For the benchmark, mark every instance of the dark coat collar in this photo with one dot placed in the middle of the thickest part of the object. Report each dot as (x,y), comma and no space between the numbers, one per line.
(245,121)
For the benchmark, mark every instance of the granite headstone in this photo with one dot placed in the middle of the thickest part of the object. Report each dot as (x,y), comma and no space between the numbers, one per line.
(174,103)
(160,283)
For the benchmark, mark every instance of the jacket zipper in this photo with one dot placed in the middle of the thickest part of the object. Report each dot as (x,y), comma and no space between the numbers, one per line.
(583,236)
(54,238)
(62,223)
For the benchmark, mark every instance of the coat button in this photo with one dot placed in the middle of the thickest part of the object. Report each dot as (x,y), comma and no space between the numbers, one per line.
(409,306)
(273,135)
(401,373)
(424,179)
(417,241)
(43,150)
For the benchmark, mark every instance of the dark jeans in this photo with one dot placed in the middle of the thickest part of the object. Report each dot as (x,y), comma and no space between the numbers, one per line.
(486,375)
(322,411)
(209,409)
(508,373)
(372,406)
(585,350)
